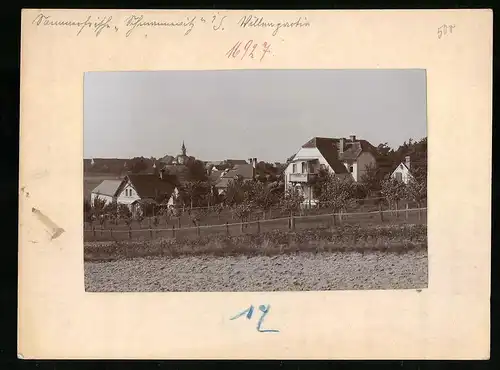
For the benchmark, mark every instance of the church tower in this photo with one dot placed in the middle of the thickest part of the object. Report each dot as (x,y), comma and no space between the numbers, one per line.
(182,158)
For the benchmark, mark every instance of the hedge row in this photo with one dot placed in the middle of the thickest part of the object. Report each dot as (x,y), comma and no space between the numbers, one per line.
(394,238)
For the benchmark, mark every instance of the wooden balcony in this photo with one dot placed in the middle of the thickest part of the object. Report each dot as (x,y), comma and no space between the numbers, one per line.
(302,177)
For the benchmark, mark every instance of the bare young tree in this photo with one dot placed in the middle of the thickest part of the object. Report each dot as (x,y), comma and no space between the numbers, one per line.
(394,191)
(336,193)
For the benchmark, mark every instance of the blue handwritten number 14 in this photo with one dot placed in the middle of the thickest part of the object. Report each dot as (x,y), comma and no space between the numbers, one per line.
(249,312)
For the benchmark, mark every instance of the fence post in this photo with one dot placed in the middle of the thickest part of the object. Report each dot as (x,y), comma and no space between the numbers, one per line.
(179,222)
(334,221)
(227,229)
(241,226)
(130,232)
(150,232)
(258,227)
(111,232)
(198,230)
(292,221)
(381,213)
(173,231)
(419,212)
(93,230)
(406,212)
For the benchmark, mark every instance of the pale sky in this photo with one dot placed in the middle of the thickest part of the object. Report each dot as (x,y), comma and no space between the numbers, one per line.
(243,114)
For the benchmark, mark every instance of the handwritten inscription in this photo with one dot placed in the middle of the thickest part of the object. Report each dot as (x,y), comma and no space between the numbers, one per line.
(249,312)
(444,30)
(138,21)
(215,22)
(251,21)
(249,49)
(97,25)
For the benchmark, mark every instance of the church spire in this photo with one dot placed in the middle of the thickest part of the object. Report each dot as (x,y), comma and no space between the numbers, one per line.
(183,148)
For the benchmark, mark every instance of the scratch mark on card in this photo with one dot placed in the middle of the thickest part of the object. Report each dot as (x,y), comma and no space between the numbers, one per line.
(54,230)
(25,192)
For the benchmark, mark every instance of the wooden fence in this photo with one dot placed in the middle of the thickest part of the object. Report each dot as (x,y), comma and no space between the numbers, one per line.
(415,215)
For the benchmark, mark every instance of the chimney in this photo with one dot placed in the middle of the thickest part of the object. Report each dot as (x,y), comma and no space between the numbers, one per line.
(353,138)
(161,173)
(407,161)
(255,163)
(250,160)
(341,145)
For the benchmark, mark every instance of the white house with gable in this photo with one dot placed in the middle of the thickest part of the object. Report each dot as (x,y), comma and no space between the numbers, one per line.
(402,172)
(346,158)
(106,191)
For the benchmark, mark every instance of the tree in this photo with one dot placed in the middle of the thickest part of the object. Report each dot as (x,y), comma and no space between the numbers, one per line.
(371,178)
(98,205)
(87,210)
(416,190)
(125,214)
(394,191)
(292,200)
(235,192)
(243,210)
(137,164)
(335,192)
(193,192)
(197,170)
(218,208)
(263,197)
(110,210)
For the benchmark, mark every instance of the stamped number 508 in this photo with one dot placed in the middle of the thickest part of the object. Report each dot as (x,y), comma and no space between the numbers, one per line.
(445,29)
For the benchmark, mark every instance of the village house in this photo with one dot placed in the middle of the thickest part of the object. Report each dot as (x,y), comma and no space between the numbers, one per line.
(246,171)
(346,158)
(409,169)
(105,191)
(153,188)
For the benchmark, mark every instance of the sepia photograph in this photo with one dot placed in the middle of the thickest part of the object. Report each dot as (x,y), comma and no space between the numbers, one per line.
(255,180)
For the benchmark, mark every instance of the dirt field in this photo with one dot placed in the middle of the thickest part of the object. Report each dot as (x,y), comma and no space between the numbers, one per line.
(302,271)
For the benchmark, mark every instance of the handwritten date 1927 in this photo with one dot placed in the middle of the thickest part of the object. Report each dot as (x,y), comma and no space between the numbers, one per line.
(249,49)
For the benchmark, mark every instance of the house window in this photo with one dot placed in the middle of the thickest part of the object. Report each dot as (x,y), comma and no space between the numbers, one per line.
(294,168)
(303,167)
(399,176)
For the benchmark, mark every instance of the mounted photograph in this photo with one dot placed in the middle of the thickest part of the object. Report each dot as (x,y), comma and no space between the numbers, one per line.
(255,180)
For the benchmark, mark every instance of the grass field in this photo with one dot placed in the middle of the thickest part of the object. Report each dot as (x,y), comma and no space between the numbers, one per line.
(169,228)
(390,238)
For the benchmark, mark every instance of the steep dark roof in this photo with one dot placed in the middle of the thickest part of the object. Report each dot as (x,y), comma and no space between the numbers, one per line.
(246,171)
(151,186)
(353,150)
(328,147)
